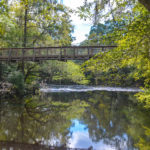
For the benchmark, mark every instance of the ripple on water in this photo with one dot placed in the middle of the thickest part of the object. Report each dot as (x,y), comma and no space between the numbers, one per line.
(81,88)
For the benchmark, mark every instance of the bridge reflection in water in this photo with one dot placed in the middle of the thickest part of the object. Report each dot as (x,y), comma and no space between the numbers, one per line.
(51,53)
(6,145)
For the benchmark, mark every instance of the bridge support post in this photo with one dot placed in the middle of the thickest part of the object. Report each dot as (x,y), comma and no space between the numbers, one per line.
(88,53)
(9,56)
(33,54)
(74,53)
(60,55)
(47,53)
(22,67)
(64,54)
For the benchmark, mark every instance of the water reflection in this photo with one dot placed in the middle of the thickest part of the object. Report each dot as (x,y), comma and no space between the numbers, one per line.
(103,120)
(81,138)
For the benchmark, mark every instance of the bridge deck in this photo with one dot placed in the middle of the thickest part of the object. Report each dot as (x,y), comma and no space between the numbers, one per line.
(51,53)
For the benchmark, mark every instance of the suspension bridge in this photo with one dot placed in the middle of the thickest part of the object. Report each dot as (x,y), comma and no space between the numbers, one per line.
(52,53)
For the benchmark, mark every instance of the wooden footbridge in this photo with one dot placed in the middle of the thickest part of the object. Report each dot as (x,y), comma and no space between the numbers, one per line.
(51,53)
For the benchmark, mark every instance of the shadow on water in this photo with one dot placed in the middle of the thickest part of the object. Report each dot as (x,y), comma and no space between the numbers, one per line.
(99,119)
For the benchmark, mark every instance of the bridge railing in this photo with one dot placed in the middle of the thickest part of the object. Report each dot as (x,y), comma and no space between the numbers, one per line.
(53,53)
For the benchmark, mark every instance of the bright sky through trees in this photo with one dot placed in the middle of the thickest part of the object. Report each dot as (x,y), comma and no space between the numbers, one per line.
(81,27)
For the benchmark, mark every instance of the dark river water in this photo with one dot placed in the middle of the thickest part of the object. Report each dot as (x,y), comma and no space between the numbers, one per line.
(75,117)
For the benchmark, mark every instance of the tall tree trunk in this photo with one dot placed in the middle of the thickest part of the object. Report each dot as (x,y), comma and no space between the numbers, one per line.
(25,26)
(25,34)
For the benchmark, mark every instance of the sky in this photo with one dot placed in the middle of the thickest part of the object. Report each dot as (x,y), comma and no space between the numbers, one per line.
(81,139)
(81,27)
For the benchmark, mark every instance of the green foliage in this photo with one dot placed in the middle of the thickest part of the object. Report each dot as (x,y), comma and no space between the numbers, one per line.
(144,98)
(106,33)
(3,6)
(44,24)
(47,24)
(17,79)
(132,53)
(142,143)
(65,72)
(40,118)
(75,73)
(107,116)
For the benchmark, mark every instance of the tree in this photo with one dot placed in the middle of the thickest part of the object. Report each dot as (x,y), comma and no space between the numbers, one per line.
(145,3)
(105,33)
(40,22)
(34,23)
(62,72)
(101,9)
(132,52)
(39,121)
(3,6)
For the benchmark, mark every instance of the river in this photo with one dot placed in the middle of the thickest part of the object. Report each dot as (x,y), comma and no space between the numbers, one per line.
(103,118)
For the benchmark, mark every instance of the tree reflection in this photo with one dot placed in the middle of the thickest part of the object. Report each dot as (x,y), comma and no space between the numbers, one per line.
(111,117)
(38,120)
(117,120)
